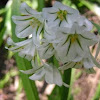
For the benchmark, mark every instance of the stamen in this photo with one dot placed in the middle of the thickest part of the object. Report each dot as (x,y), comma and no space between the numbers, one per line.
(78,63)
(62,14)
(35,22)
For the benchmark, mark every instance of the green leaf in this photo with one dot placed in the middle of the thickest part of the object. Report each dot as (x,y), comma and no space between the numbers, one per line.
(55,95)
(98,47)
(97,27)
(29,85)
(97,93)
(1,35)
(65,92)
(92,6)
(40,4)
(7,77)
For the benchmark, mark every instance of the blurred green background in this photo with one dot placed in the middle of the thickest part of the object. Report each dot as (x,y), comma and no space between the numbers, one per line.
(16,86)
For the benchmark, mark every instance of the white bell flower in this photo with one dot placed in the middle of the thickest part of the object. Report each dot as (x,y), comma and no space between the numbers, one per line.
(28,22)
(26,48)
(47,72)
(75,42)
(60,15)
(85,63)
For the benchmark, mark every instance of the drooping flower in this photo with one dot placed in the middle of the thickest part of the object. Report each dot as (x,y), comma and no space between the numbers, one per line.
(60,15)
(82,64)
(30,21)
(26,48)
(47,72)
(87,63)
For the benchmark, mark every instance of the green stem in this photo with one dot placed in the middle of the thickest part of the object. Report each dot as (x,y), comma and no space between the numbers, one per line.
(67,79)
(40,4)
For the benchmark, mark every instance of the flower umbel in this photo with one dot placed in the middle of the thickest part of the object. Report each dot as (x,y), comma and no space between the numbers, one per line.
(58,32)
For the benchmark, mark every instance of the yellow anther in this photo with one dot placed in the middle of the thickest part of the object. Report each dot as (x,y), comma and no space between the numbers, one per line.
(35,22)
(79,63)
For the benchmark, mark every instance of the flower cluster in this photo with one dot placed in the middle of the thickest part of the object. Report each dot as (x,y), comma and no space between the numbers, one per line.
(58,31)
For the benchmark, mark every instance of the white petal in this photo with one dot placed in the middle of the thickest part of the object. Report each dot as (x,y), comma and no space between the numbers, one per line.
(26,10)
(88,63)
(52,75)
(10,41)
(66,85)
(30,71)
(20,44)
(83,21)
(23,32)
(72,52)
(49,75)
(38,75)
(54,23)
(22,20)
(88,25)
(88,39)
(47,11)
(57,77)
(65,24)
(46,50)
(64,7)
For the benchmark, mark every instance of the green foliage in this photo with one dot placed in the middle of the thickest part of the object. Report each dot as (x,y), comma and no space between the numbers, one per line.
(67,80)
(40,4)
(7,77)
(1,35)
(97,94)
(97,27)
(55,95)
(2,24)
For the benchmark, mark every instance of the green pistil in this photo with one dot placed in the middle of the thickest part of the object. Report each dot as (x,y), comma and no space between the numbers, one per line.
(62,14)
(74,38)
(50,44)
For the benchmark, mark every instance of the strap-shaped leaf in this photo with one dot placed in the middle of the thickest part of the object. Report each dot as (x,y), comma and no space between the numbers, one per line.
(97,26)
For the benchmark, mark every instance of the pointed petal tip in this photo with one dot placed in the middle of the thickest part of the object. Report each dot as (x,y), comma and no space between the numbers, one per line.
(66,85)
(22,71)
(31,78)
(60,68)
(6,48)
